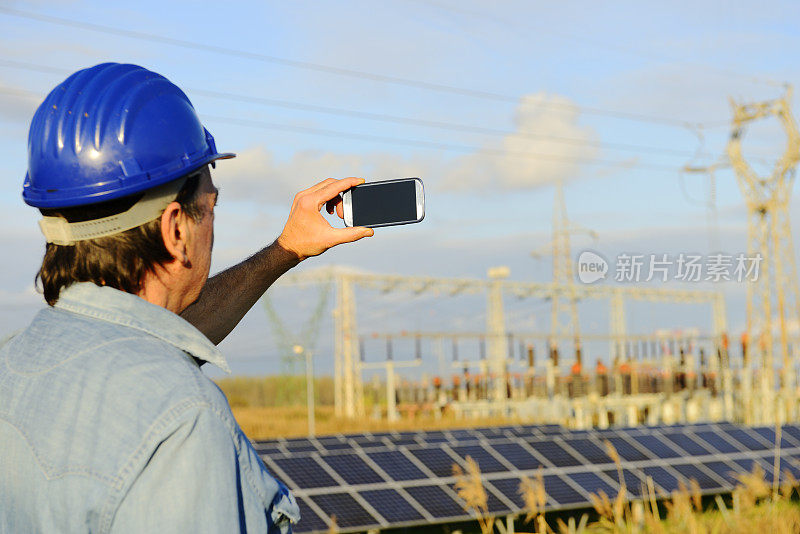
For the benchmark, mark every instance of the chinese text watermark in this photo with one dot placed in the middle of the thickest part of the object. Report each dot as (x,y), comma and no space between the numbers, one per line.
(592,267)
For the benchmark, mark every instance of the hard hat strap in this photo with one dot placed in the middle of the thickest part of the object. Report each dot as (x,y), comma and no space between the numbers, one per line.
(59,231)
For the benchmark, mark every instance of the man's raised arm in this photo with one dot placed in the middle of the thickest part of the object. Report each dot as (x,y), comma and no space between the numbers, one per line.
(228,295)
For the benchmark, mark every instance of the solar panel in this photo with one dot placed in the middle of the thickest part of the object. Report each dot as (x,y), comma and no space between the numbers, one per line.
(436,500)
(352,469)
(626,450)
(486,462)
(746,439)
(491,432)
(396,465)
(792,430)
(404,440)
(310,521)
(724,471)
(656,446)
(268,450)
(525,431)
(300,445)
(561,492)
(373,480)
(335,446)
(748,464)
(391,505)
(592,483)
(305,472)
(329,440)
(661,477)
(348,512)
(785,465)
(687,444)
(434,439)
(368,441)
(509,487)
(554,453)
(718,442)
(693,472)
(438,461)
(704,426)
(589,450)
(462,434)
(372,445)
(633,482)
(493,504)
(769,434)
(516,455)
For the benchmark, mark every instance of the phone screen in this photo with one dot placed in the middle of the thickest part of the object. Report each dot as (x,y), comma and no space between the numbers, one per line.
(384,203)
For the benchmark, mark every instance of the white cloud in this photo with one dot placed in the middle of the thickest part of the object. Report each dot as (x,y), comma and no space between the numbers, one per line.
(542,123)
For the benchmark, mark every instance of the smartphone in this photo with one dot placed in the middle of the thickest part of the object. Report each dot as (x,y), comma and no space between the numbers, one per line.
(384,203)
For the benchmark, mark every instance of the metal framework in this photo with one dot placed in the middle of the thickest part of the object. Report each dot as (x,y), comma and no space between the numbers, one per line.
(772,299)
(347,365)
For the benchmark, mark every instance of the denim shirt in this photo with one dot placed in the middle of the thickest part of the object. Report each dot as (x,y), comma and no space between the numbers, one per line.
(107,424)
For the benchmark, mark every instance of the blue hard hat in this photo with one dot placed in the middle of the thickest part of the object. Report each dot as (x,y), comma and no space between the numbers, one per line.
(110,131)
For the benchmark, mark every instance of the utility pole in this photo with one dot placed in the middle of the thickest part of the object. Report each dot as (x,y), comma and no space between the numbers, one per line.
(496,330)
(299,349)
(616,346)
(350,386)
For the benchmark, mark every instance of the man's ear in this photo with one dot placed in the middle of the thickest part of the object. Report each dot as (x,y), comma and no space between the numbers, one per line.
(174,232)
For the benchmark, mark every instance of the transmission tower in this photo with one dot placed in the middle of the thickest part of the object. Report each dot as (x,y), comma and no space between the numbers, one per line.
(564,310)
(773,298)
(308,335)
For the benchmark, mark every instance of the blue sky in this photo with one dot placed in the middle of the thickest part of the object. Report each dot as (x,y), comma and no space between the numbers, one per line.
(558,81)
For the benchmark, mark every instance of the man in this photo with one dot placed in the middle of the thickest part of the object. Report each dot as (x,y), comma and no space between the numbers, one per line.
(107,423)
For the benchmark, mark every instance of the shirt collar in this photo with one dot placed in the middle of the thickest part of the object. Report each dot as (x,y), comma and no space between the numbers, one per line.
(119,307)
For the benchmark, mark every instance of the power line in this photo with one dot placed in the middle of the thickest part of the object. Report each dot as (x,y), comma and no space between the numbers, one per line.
(382,117)
(596,43)
(404,142)
(381,78)
(435,145)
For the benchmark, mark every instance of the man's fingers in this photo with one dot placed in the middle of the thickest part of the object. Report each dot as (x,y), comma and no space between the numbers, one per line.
(330,190)
(320,185)
(348,235)
(334,203)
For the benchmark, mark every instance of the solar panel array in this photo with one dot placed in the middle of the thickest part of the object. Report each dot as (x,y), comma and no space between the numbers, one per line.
(396,479)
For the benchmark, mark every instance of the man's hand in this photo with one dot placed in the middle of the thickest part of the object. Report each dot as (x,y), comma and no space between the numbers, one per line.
(307,233)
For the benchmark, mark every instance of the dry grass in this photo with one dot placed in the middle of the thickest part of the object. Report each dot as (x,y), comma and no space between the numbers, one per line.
(274,391)
(758,507)
(285,422)
(469,487)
